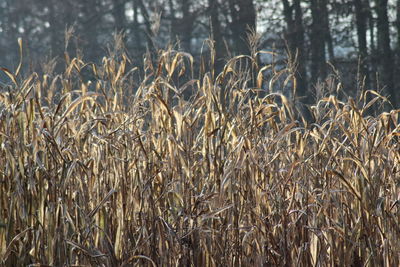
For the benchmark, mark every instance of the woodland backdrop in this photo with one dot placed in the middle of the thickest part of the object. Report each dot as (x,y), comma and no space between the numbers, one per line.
(360,38)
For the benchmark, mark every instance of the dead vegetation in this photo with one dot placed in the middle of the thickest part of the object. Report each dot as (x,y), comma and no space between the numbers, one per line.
(108,172)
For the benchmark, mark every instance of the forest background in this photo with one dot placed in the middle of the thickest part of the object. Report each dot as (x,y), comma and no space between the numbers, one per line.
(360,39)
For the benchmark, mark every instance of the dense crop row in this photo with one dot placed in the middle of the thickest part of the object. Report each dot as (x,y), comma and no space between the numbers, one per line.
(177,170)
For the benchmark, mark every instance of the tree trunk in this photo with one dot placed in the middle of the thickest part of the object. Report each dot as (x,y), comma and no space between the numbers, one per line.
(385,61)
(90,29)
(318,57)
(54,28)
(295,37)
(182,27)
(216,35)
(118,12)
(243,16)
(361,13)
(187,25)
(148,32)
(136,28)
(327,30)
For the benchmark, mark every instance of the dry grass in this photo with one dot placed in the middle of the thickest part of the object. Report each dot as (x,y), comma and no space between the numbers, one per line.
(114,173)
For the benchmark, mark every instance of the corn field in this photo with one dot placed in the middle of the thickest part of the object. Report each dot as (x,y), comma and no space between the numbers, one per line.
(182,171)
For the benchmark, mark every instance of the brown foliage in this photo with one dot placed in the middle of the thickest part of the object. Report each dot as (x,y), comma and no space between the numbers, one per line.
(109,173)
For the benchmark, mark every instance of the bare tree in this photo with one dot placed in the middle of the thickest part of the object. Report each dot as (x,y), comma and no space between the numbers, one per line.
(361,14)
(386,62)
(182,25)
(318,56)
(243,17)
(118,12)
(294,35)
(216,34)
